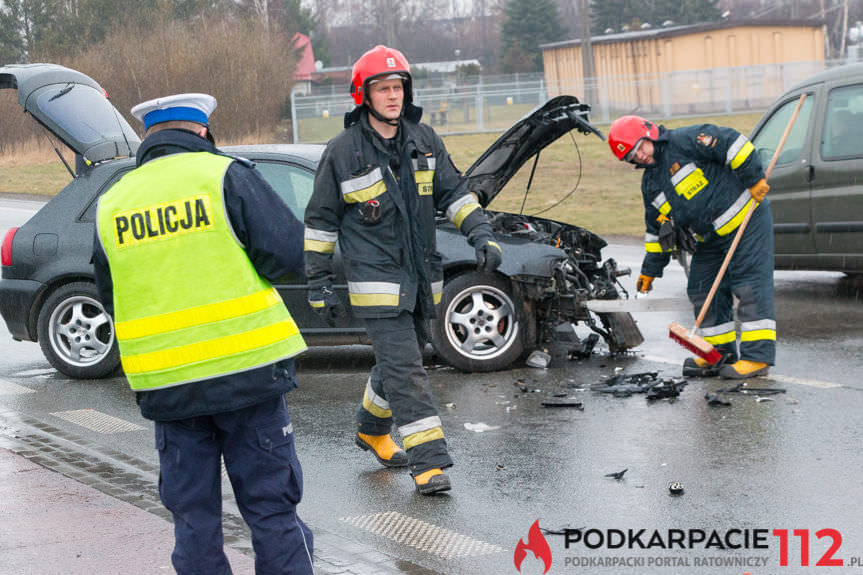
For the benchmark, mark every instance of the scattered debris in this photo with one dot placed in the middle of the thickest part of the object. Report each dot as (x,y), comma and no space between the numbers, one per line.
(759,399)
(791,401)
(480,427)
(617,474)
(450,405)
(622,385)
(499,467)
(666,389)
(538,359)
(745,389)
(522,386)
(511,407)
(675,488)
(568,402)
(715,400)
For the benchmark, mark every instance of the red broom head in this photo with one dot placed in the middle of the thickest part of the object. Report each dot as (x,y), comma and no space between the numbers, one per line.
(693,343)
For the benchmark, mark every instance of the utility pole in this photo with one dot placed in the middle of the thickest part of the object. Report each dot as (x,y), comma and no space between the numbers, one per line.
(588,70)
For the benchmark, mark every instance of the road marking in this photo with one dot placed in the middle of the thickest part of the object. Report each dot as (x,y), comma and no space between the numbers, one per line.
(97,421)
(422,535)
(774,377)
(9,388)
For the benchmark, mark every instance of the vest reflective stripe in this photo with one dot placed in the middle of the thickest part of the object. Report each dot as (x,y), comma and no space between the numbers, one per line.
(374,293)
(733,216)
(758,330)
(688,181)
(738,152)
(319,241)
(375,404)
(661,204)
(461,208)
(230,321)
(719,334)
(437,291)
(209,349)
(363,188)
(190,317)
(421,431)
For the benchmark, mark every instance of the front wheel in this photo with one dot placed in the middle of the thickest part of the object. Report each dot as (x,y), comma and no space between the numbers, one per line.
(76,334)
(480,324)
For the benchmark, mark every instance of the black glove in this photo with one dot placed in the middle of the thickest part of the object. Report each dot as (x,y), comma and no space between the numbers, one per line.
(328,305)
(488,254)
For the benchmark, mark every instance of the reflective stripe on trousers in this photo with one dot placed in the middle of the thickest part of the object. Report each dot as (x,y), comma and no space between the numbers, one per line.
(399,384)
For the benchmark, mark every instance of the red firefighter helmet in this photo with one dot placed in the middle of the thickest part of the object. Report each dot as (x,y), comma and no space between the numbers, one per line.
(380,61)
(626,131)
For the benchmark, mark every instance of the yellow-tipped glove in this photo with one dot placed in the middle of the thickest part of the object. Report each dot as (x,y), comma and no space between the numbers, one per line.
(759,190)
(644,283)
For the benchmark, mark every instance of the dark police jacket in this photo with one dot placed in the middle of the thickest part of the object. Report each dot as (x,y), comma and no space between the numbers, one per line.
(700,178)
(379,198)
(272,238)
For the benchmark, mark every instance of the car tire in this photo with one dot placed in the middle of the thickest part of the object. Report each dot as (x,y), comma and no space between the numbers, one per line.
(480,323)
(76,334)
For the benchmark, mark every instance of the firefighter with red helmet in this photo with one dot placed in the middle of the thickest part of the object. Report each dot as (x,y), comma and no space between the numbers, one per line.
(377,188)
(699,182)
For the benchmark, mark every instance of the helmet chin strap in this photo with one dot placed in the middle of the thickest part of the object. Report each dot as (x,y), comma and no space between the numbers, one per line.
(380,118)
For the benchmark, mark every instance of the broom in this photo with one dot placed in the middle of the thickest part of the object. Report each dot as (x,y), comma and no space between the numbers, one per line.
(698,345)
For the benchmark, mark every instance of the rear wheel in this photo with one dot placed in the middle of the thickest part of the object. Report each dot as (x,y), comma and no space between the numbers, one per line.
(480,324)
(76,334)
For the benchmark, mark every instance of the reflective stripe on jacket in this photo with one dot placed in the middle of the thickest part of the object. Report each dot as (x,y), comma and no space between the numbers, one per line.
(188,303)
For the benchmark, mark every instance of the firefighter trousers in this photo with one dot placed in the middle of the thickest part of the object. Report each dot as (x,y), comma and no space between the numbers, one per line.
(398,391)
(749,278)
(257,444)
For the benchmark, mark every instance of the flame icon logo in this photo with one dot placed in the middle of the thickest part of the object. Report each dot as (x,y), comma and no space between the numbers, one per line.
(535,542)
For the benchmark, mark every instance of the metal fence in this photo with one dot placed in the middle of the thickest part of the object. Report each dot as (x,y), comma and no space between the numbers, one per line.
(493,103)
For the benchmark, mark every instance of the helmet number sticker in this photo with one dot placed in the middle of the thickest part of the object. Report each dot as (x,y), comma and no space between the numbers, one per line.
(391,62)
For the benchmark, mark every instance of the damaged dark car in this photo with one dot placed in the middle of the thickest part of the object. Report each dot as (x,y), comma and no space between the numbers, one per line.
(486,322)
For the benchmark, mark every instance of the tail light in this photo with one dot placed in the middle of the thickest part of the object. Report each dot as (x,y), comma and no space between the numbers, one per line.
(6,251)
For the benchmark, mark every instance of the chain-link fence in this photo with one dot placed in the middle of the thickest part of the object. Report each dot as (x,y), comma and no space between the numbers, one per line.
(493,103)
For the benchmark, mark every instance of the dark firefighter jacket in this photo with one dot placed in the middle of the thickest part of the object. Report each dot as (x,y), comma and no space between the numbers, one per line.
(272,237)
(700,179)
(378,199)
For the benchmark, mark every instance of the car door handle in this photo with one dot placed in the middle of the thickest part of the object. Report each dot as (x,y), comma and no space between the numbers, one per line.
(810,174)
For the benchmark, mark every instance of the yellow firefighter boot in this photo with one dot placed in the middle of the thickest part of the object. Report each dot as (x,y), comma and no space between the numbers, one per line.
(387,451)
(743,369)
(432,481)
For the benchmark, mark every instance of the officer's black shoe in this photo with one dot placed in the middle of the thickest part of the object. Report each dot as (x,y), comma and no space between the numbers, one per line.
(385,450)
(432,481)
(698,367)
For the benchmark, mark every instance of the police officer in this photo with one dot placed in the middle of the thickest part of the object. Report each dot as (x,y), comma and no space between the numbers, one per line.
(186,245)
(376,191)
(703,179)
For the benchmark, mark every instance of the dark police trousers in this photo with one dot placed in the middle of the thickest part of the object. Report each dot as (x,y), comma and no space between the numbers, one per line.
(399,391)
(749,277)
(257,444)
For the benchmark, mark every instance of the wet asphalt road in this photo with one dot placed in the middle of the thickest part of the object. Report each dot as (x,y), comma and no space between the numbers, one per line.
(790,462)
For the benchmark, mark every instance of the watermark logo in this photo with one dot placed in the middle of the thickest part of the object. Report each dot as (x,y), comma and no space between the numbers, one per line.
(535,542)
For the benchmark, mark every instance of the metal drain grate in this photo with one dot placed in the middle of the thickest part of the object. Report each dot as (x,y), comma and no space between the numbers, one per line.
(422,535)
(9,388)
(97,421)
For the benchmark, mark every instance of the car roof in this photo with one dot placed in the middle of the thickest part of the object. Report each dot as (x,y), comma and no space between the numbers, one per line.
(847,71)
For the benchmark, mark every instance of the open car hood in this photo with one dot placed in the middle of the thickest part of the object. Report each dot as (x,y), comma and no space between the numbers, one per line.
(74,108)
(502,160)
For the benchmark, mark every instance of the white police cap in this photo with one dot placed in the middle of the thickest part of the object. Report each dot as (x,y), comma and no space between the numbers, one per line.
(183,107)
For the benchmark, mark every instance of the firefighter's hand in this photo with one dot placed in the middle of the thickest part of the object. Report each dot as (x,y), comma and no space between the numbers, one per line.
(644,283)
(759,190)
(327,304)
(488,255)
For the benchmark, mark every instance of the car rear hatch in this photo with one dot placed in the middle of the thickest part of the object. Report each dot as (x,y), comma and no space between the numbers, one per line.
(74,108)
(527,137)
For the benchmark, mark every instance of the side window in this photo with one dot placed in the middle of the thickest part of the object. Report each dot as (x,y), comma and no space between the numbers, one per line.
(293,184)
(843,123)
(771,132)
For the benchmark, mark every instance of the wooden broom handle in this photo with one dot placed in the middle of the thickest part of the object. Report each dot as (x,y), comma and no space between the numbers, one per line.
(746,218)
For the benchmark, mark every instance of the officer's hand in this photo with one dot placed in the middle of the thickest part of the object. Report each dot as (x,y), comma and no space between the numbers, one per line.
(759,190)
(488,255)
(327,304)
(644,283)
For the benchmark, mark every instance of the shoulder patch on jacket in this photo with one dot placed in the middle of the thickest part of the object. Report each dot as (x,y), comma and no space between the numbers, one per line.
(674,168)
(705,140)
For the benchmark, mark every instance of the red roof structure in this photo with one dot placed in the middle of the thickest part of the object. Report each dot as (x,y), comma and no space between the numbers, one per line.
(306,63)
